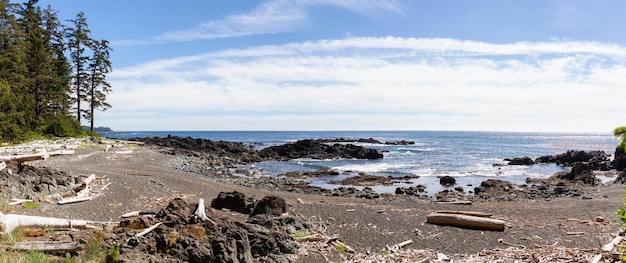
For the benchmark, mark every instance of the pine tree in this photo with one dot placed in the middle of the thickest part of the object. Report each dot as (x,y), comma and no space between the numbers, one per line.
(78,41)
(12,72)
(99,67)
(59,100)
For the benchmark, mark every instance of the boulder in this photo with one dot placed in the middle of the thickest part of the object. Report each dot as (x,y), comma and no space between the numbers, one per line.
(598,160)
(447,180)
(581,172)
(270,205)
(619,160)
(234,201)
(520,161)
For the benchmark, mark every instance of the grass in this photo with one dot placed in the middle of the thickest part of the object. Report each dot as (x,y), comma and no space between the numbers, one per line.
(300,235)
(5,207)
(30,205)
(341,248)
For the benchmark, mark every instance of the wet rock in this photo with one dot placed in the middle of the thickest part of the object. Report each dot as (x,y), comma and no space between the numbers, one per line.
(413,190)
(447,180)
(364,180)
(520,161)
(597,160)
(270,205)
(234,201)
(619,160)
(317,150)
(580,172)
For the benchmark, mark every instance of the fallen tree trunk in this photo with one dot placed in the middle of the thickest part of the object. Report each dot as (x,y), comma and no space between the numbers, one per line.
(25,157)
(75,199)
(47,246)
(465,221)
(468,213)
(9,222)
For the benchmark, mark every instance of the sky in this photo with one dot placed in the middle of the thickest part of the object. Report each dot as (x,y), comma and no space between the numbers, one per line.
(480,65)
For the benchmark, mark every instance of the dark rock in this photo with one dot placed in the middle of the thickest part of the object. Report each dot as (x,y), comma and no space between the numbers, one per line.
(621,177)
(597,160)
(234,201)
(581,172)
(317,150)
(413,190)
(520,161)
(270,205)
(447,180)
(619,160)
(364,180)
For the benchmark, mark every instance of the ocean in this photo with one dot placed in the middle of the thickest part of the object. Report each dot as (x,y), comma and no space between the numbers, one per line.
(467,156)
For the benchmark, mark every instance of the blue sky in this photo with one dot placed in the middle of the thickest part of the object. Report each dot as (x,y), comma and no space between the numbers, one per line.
(536,65)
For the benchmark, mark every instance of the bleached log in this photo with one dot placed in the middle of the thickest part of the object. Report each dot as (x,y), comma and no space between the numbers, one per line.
(136,214)
(25,157)
(72,200)
(404,243)
(61,152)
(596,259)
(3,165)
(455,202)
(469,213)
(88,180)
(466,221)
(47,246)
(16,201)
(148,230)
(9,222)
(200,213)
(611,245)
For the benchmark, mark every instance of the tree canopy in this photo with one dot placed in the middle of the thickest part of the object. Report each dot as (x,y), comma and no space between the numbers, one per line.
(48,70)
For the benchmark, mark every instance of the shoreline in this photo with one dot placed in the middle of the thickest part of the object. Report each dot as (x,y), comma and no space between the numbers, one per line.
(364,224)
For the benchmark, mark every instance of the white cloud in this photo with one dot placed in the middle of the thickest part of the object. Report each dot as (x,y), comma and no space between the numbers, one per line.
(277,16)
(377,83)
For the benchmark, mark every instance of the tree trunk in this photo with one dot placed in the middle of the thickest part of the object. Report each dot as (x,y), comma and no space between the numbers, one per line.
(465,221)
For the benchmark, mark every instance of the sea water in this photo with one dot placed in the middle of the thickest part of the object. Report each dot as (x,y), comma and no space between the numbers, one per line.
(470,157)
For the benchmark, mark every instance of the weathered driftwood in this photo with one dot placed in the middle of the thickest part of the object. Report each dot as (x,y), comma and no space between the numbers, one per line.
(148,230)
(47,246)
(25,157)
(466,221)
(469,213)
(455,202)
(201,213)
(72,200)
(611,245)
(3,165)
(137,213)
(9,222)
(16,201)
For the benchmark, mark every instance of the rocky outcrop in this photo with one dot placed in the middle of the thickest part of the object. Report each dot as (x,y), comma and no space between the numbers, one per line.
(413,190)
(317,150)
(581,173)
(234,201)
(447,180)
(270,205)
(364,180)
(597,160)
(520,161)
(30,182)
(619,160)
(363,140)
(263,238)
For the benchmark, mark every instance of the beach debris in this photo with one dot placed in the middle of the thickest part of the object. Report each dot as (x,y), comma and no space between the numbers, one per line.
(462,202)
(17,201)
(466,221)
(608,247)
(81,193)
(201,213)
(8,222)
(3,165)
(469,213)
(47,246)
(137,213)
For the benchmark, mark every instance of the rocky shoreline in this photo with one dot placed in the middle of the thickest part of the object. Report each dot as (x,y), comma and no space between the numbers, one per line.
(244,227)
(220,161)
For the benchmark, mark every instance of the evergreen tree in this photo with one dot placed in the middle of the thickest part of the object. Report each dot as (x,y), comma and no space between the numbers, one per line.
(59,100)
(99,67)
(78,40)
(12,74)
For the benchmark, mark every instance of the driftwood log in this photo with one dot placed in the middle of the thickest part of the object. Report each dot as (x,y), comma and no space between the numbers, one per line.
(9,222)
(48,246)
(468,213)
(465,221)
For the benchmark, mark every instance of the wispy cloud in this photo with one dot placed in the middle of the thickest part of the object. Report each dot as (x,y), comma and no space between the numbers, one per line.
(378,83)
(277,16)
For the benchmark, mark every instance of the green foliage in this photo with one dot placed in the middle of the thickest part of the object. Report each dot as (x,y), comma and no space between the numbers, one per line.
(114,254)
(64,126)
(341,248)
(36,257)
(95,251)
(30,205)
(38,84)
(621,133)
